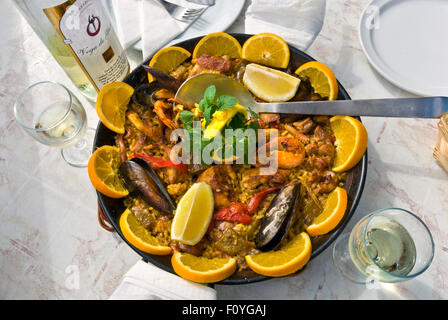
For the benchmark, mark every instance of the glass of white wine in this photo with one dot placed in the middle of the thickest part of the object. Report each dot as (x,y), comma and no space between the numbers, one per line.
(388,245)
(52,115)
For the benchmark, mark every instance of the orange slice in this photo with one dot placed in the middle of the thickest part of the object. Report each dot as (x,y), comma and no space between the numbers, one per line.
(218,44)
(331,215)
(201,269)
(267,49)
(287,260)
(321,77)
(168,59)
(112,103)
(103,172)
(351,142)
(139,236)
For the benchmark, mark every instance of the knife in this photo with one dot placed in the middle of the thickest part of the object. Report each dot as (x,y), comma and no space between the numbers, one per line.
(425,107)
(193,90)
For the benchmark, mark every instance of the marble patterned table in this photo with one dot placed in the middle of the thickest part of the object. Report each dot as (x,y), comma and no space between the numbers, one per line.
(52,247)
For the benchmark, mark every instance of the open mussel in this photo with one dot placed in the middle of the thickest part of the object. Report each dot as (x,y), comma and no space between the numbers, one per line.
(143,94)
(275,224)
(140,176)
(166,80)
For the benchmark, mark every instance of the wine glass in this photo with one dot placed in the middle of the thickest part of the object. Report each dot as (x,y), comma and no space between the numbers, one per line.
(388,245)
(52,115)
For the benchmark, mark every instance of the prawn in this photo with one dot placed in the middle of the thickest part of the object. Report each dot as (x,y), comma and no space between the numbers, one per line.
(159,108)
(290,151)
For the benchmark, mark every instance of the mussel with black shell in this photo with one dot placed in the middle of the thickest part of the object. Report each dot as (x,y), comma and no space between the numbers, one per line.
(166,80)
(140,177)
(278,217)
(144,94)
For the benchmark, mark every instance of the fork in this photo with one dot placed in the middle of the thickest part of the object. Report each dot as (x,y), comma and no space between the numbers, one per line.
(183,14)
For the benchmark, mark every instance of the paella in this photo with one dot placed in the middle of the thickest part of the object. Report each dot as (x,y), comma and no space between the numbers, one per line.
(246,211)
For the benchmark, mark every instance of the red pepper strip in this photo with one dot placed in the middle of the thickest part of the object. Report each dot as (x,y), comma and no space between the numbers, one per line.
(157,163)
(255,201)
(236,212)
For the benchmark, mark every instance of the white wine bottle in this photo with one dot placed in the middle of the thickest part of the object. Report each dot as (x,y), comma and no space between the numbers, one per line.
(80,36)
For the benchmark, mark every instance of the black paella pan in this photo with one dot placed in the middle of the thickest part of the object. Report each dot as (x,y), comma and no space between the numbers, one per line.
(354,185)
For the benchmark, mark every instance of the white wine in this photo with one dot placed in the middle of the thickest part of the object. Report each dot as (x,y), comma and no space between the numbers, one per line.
(387,243)
(62,129)
(80,36)
(71,67)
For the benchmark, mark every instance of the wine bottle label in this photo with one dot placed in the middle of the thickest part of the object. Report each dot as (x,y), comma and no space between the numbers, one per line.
(86,29)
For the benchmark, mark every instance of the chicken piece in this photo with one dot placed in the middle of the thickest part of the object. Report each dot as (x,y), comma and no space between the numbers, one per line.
(321,135)
(221,179)
(218,229)
(304,126)
(322,181)
(299,135)
(143,215)
(252,178)
(320,154)
(211,64)
(230,240)
(215,63)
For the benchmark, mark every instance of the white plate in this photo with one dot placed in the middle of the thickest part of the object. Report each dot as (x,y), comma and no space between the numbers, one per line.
(406,41)
(214,19)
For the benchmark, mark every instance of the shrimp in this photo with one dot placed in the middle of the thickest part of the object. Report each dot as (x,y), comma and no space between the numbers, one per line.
(151,130)
(159,108)
(291,152)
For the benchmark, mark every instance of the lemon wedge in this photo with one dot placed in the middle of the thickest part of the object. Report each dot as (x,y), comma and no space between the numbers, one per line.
(269,84)
(193,214)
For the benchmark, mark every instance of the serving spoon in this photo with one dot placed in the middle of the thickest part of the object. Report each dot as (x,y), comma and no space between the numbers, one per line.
(192,91)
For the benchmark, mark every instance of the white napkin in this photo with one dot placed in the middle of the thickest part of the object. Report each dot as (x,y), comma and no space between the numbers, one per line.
(145,281)
(127,18)
(296,21)
(150,21)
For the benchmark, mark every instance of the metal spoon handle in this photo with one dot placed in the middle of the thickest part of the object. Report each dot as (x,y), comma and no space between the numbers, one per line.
(426,107)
